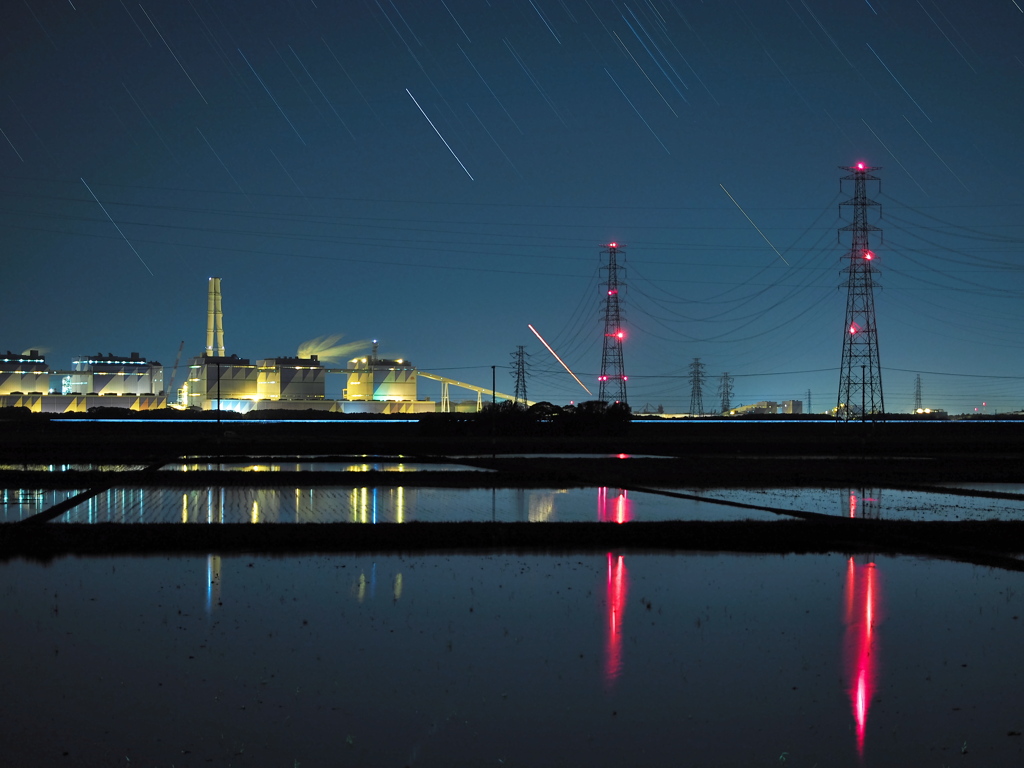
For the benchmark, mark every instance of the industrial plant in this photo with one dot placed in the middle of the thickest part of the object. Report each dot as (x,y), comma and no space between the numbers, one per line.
(215,380)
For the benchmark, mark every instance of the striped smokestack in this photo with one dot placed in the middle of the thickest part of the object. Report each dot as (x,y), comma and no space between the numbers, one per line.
(214,320)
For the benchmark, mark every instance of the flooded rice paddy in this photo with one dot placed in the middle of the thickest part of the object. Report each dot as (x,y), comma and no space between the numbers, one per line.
(608,659)
(402,504)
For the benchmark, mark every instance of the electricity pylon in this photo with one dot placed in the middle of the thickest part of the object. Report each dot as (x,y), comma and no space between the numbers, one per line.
(725,392)
(860,374)
(519,366)
(613,376)
(696,387)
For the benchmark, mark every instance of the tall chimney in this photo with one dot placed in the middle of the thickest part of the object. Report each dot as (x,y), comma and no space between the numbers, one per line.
(214,320)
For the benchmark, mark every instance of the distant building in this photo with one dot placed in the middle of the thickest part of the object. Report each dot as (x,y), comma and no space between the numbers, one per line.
(82,403)
(374,378)
(290,378)
(792,406)
(221,382)
(768,407)
(113,375)
(24,374)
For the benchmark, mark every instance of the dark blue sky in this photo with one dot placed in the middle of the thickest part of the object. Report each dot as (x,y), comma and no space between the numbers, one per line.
(282,147)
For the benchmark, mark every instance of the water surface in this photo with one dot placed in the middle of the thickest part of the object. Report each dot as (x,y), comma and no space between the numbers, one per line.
(598,660)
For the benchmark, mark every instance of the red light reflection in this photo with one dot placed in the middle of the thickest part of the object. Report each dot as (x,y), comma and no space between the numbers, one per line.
(616,599)
(862,603)
(613,509)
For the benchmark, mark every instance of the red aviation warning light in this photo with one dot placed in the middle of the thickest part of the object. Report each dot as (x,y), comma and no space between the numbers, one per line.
(854,328)
(620,335)
(860,166)
(869,255)
(613,245)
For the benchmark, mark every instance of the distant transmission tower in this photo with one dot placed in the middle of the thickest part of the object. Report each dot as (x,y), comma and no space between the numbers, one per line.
(519,366)
(809,409)
(725,392)
(613,376)
(696,387)
(917,393)
(860,375)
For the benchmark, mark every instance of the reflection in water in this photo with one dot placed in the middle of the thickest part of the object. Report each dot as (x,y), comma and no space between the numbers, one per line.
(212,582)
(613,509)
(616,600)
(863,596)
(864,502)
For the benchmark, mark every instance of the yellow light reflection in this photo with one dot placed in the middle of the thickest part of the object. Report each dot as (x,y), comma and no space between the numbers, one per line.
(397,588)
(255,516)
(184,507)
(399,511)
(361,587)
(542,507)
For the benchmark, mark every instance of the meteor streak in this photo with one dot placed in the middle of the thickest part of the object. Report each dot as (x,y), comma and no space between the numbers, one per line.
(559,359)
(754,225)
(122,234)
(898,82)
(439,135)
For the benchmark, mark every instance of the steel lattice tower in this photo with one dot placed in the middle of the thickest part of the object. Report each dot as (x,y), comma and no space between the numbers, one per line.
(519,372)
(725,392)
(696,387)
(613,375)
(860,375)
(917,393)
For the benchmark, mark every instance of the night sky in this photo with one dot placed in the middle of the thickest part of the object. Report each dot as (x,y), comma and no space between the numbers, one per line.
(437,174)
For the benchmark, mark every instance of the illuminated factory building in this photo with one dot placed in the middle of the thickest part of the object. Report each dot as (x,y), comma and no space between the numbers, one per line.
(100,381)
(220,381)
(113,375)
(373,378)
(215,380)
(24,374)
(291,378)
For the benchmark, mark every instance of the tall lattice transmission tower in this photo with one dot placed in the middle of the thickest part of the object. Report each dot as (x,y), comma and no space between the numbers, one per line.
(696,387)
(519,367)
(917,393)
(725,392)
(613,375)
(860,375)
